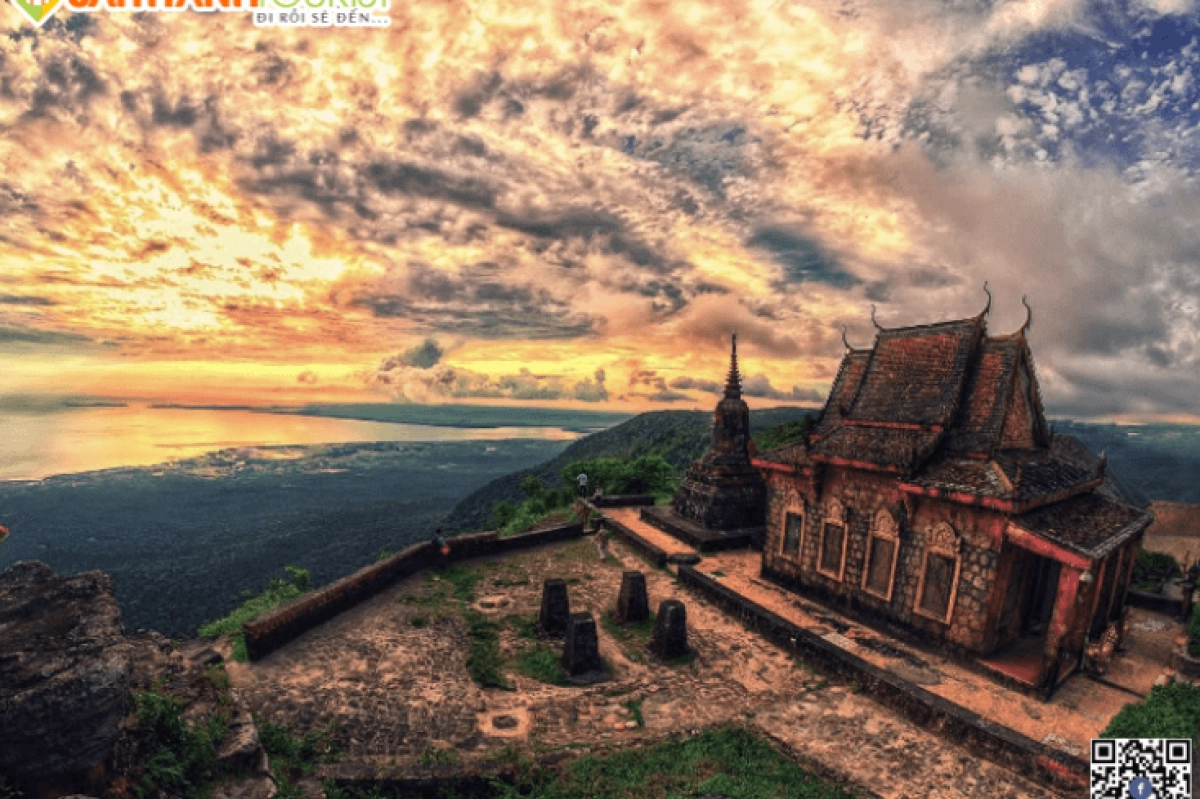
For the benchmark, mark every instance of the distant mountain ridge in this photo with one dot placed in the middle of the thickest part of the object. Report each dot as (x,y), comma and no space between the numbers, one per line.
(1156,462)
(678,436)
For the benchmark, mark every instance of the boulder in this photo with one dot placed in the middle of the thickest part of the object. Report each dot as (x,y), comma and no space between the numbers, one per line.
(64,673)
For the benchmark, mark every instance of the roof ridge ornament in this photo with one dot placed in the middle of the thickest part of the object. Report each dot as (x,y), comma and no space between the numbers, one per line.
(1028,315)
(845,341)
(988,308)
(874,321)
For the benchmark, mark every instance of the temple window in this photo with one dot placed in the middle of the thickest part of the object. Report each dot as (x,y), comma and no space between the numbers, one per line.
(831,558)
(792,526)
(939,574)
(879,577)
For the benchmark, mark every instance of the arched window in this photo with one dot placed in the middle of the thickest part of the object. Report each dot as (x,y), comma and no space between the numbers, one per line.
(883,551)
(831,558)
(793,530)
(938,586)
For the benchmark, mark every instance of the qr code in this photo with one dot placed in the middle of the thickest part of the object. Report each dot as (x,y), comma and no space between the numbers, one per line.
(1142,768)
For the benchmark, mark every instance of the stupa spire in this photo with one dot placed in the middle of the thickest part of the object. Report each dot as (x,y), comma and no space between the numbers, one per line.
(733,383)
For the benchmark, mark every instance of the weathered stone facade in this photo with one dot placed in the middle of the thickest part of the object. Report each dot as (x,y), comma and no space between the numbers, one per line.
(932,499)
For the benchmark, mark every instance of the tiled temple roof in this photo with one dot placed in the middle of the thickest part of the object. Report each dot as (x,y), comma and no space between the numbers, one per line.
(882,447)
(1092,524)
(1017,475)
(980,420)
(915,375)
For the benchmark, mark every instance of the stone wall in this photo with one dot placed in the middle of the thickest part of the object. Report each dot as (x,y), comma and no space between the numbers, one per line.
(951,721)
(287,622)
(863,495)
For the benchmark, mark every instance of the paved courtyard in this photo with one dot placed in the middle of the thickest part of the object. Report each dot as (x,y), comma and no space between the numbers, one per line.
(399,692)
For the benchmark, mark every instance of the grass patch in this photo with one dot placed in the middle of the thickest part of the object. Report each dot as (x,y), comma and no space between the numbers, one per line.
(485,662)
(440,757)
(278,592)
(294,757)
(1170,711)
(635,709)
(462,580)
(632,638)
(419,621)
(179,760)
(524,626)
(728,762)
(539,661)
(219,678)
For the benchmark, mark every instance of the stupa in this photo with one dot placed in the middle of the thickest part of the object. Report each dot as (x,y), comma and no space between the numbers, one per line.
(721,503)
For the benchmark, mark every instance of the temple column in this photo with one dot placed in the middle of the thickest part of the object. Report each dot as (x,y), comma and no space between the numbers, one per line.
(1061,622)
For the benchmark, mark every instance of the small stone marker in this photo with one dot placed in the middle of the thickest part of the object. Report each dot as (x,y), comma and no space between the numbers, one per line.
(670,630)
(581,654)
(556,608)
(633,604)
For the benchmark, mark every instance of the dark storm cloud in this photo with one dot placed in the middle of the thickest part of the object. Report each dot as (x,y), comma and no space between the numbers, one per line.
(401,177)
(802,258)
(760,386)
(475,300)
(609,230)
(11,334)
(424,356)
(67,83)
(25,299)
(693,384)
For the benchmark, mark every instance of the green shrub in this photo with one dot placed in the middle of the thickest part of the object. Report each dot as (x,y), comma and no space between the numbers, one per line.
(503,513)
(178,760)
(532,487)
(292,757)
(278,592)
(1171,711)
(649,474)
(1152,568)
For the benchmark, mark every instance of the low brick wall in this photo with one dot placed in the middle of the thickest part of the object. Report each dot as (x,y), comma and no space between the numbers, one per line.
(287,622)
(623,501)
(1160,603)
(985,738)
(653,552)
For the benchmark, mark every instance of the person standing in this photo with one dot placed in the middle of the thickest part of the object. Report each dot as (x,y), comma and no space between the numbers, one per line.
(582,480)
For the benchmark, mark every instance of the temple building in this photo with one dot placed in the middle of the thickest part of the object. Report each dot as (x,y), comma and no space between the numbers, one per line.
(932,500)
(721,502)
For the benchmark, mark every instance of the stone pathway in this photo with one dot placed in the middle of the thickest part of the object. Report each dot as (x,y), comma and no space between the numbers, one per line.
(1077,712)
(398,691)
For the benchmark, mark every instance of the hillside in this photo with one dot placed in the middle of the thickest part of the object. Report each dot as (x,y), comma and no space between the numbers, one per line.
(678,436)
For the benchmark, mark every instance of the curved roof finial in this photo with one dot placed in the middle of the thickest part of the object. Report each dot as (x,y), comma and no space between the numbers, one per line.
(878,326)
(988,292)
(1028,314)
(844,340)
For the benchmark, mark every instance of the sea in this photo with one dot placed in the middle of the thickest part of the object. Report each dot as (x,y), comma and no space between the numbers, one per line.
(36,445)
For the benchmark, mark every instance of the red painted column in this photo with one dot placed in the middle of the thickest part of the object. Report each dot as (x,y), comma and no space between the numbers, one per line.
(1065,613)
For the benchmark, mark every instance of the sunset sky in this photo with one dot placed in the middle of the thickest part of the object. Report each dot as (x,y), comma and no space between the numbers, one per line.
(575,202)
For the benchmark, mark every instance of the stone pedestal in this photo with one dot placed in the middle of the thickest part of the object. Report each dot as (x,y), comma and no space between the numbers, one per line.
(581,653)
(633,603)
(670,631)
(556,608)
